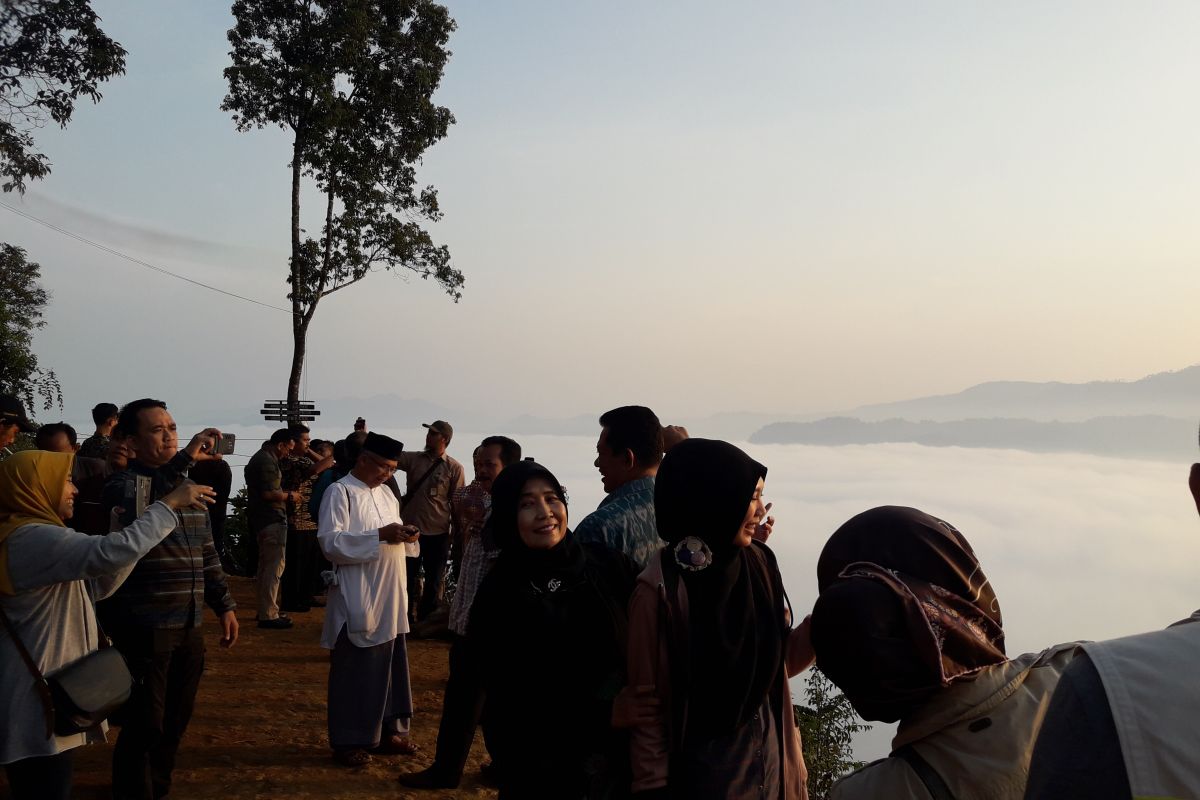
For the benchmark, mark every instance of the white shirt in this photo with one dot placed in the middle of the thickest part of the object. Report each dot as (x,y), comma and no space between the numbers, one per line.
(371,598)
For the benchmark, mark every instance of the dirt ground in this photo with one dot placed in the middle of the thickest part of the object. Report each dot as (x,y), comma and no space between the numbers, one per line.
(259,727)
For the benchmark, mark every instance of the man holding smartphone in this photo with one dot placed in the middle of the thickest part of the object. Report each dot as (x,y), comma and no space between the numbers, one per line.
(361,533)
(154,618)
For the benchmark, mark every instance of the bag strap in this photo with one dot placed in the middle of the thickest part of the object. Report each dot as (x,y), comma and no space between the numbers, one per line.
(39,680)
(420,482)
(925,771)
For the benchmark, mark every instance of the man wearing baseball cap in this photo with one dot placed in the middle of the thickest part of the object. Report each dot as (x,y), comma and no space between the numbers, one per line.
(13,420)
(433,477)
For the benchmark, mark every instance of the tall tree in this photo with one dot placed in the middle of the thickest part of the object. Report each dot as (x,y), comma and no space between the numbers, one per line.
(21,303)
(827,726)
(51,52)
(353,80)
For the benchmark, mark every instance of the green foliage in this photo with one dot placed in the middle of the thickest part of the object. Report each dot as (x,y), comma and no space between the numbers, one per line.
(353,80)
(827,725)
(51,53)
(237,530)
(21,304)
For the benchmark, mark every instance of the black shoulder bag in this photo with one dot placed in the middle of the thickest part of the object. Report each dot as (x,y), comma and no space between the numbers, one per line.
(82,694)
(420,482)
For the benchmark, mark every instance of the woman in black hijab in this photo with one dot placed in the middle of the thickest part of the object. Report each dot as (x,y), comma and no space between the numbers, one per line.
(710,631)
(908,626)
(547,632)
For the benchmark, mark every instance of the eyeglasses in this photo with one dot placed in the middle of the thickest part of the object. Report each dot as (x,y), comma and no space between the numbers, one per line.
(381,463)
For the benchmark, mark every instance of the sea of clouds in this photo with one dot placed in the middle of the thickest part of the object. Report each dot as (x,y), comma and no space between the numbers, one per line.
(1076,546)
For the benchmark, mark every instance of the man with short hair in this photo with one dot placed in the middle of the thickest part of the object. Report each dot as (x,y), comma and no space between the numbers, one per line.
(12,420)
(462,702)
(432,477)
(628,453)
(370,698)
(299,468)
(96,445)
(266,514)
(154,617)
(88,474)
(56,437)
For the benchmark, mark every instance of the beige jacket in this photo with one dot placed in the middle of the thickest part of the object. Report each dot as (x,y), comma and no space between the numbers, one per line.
(978,735)
(649,663)
(1150,681)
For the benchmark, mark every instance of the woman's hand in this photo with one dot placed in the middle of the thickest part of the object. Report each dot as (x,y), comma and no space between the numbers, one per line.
(635,706)
(763,530)
(800,655)
(190,495)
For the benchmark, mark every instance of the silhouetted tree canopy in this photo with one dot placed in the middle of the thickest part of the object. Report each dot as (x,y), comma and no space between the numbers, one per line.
(51,53)
(353,80)
(22,300)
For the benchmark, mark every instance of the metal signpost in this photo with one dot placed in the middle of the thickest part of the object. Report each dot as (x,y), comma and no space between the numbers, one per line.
(277,411)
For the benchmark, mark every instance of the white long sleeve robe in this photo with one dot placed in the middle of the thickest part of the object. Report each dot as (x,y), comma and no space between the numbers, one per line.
(371,598)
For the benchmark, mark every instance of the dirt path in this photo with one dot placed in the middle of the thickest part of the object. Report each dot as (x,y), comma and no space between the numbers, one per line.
(259,726)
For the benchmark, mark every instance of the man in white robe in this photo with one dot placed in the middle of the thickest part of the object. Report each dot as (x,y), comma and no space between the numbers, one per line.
(361,533)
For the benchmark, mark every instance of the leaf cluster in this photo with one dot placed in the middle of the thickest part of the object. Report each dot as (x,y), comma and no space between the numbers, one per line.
(51,53)
(827,726)
(354,81)
(21,306)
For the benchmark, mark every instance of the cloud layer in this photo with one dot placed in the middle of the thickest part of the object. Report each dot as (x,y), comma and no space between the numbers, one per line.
(1076,546)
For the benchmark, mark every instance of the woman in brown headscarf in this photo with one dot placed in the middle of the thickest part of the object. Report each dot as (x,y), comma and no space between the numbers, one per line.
(908,626)
(50,578)
(710,631)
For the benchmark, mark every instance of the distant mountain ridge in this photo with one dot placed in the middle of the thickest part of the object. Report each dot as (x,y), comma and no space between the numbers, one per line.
(1149,436)
(1167,394)
(1154,417)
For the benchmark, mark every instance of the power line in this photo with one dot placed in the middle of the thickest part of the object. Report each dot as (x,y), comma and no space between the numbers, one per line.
(137,261)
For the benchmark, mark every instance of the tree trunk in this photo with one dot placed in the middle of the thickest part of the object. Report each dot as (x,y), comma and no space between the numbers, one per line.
(299,323)
(299,338)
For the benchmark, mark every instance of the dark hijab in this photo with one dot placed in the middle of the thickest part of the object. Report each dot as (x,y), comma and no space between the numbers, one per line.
(736,625)
(564,561)
(904,611)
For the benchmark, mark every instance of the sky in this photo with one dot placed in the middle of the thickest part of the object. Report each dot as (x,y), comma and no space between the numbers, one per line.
(785,207)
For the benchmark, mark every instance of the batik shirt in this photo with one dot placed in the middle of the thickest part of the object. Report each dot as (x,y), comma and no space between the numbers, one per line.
(624,521)
(296,478)
(470,507)
(95,446)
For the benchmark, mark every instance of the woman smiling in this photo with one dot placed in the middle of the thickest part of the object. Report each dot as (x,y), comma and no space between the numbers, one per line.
(710,631)
(547,632)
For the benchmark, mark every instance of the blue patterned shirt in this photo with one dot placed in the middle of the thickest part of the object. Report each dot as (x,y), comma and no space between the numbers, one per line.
(624,521)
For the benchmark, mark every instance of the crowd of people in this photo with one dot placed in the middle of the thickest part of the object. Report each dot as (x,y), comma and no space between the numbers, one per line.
(644,651)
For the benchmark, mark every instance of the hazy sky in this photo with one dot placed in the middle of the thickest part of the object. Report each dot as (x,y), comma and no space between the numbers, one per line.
(786,207)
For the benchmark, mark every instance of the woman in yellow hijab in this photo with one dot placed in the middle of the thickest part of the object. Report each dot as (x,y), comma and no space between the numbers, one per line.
(50,578)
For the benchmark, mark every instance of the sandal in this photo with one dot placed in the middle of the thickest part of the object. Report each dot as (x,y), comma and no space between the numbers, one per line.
(396,746)
(352,758)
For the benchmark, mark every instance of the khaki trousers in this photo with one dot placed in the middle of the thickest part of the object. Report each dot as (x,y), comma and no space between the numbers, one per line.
(271,543)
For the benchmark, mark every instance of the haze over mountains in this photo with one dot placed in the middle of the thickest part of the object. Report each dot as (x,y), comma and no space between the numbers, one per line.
(1154,417)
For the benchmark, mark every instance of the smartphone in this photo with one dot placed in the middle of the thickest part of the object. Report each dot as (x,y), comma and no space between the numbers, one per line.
(225,444)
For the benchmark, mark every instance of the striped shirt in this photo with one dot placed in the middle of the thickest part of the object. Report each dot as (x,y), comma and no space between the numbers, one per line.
(170,583)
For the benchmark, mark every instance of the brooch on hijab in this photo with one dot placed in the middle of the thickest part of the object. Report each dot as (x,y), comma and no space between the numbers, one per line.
(692,554)
(554,584)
